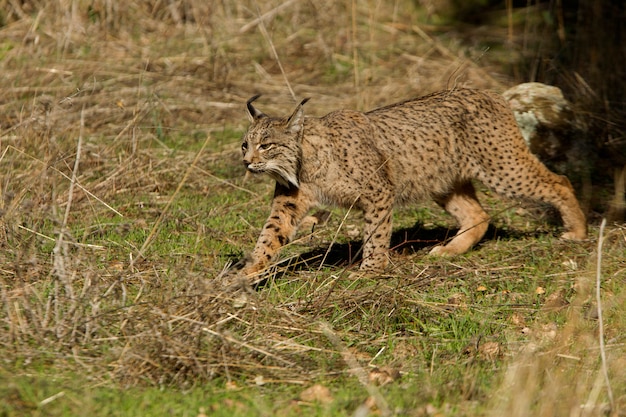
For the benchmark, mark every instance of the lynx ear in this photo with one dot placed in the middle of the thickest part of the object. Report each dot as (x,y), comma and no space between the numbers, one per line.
(253,114)
(296,120)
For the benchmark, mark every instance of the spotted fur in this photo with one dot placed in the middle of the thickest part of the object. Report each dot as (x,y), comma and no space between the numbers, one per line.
(429,147)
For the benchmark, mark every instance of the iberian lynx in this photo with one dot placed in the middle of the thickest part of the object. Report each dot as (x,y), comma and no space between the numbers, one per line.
(428,147)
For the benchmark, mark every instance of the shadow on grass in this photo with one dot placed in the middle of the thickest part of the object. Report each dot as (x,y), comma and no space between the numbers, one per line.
(407,240)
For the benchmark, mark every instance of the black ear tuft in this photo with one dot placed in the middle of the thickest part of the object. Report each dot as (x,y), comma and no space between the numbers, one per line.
(253,98)
(253,113)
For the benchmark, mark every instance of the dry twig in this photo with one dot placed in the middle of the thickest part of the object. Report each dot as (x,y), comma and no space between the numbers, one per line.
(605,371)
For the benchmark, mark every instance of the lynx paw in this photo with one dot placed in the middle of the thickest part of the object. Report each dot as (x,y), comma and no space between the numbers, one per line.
(231,281)
(239,276)
(441,251)
(574,235)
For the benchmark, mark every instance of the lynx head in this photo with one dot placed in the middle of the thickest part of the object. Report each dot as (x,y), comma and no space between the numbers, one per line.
(272,145)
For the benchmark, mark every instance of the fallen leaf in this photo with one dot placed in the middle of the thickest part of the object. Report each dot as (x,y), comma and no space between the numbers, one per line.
(228,403)
(540,290)
(456,299)
(481,288)
(116,266)
(489,350)
(518,320)
(384,375)
(317,393)
(231,386)
(292,408)
(555,300)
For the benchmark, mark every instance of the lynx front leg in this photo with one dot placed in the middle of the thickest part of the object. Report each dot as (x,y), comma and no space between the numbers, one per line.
(289,207)
(377,233)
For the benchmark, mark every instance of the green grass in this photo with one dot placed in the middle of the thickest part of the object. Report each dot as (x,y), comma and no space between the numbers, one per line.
(48,396)
(433,334)
(37,397)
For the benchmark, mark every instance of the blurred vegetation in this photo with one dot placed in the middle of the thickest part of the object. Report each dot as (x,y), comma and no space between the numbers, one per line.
(575,45)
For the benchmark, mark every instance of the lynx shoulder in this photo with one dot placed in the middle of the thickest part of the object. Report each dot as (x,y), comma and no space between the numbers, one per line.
(428,147)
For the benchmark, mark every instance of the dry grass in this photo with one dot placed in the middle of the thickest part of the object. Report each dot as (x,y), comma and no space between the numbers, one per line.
(567,372)
(122,198)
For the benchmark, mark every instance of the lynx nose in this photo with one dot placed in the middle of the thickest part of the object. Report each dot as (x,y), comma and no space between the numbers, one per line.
(248,158)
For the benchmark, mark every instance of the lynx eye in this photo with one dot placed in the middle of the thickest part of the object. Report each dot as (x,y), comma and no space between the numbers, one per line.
(265,146)
(244,146)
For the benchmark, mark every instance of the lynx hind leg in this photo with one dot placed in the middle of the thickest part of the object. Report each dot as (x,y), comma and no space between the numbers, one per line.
(571,213)
(530,179)
(463,204)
